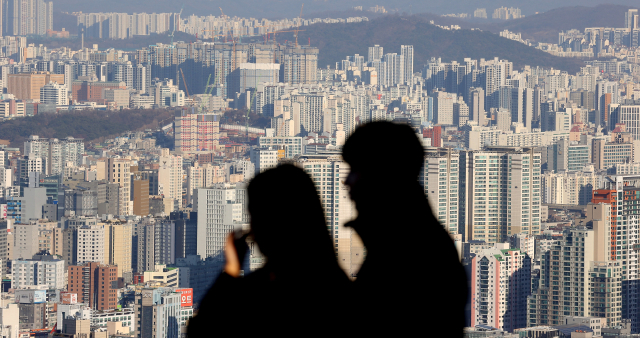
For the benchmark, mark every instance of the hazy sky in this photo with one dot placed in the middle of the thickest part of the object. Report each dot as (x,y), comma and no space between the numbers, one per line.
(291,8)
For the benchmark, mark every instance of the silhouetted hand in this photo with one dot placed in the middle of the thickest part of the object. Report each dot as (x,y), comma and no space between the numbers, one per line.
(232,267)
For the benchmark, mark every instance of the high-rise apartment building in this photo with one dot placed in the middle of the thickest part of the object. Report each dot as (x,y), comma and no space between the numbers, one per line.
(503,189)
(500,285)
(440,177)
(476,106)
(328,172)
(221,209)
(443,107)
(95,284)
(170,177)
(196,132)
(564,280)
(495,75)
(406,51)
(158,313)
(156,243)
(118,242)
(26,17)
(375,53)
(55,153)
(631,19)
(299,65)
(91,244)
(575,188)
(118,171)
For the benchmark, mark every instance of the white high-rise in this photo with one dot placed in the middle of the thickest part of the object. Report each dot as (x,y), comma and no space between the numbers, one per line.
(170,177)
(328,171)
(30,272)
(54,93)
(375,53)
(221,209)
(91,244)
(407,54)
(503,192)
(440,177)
(118,171)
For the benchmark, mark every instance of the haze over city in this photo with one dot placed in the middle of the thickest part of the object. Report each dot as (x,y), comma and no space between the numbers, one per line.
(179,169)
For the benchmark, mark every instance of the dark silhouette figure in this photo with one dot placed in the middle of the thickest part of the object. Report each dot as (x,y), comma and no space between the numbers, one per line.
(301,285)
(411,281)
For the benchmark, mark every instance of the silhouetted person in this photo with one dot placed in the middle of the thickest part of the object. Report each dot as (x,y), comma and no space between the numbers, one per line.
(411,280)
(300,288)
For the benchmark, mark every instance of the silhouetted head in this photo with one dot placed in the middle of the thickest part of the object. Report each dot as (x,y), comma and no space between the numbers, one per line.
(382,155)
(287,219)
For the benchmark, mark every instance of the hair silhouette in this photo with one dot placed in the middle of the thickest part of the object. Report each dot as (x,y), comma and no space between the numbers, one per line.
(301,277)
(411,272)
(288,224)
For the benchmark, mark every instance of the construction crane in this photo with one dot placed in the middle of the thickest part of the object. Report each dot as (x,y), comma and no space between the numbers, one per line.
(207,86)
(298,28)
(185,87)
(295,31)
(213,36)
(174,25)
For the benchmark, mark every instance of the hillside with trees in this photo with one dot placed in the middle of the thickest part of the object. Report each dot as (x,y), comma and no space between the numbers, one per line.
(90,125)
(336,41)
(544,27)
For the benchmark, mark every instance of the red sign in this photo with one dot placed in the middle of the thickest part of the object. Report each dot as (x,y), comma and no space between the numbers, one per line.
(69,298)
(187,297)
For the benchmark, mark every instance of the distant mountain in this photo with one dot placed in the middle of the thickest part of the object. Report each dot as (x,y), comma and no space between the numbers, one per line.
(336,41)
(291,8)
(544,27)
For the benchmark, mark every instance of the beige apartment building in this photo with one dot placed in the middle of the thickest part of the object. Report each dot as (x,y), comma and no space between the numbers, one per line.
(26,86)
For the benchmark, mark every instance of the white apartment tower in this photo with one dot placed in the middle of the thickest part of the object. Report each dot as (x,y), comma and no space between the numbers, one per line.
(406,51)
(170,177)
(118,171)
(221,209)
(375,53)
(440,177)
(503,192)
(91,244)
(328,171)
(54,93)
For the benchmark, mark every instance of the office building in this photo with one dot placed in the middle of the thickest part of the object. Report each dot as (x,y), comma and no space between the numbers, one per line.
(221,209)
(95,284)
(54,93)
(118,248)
(38,271)
(27,86)
(92,244)
(156,243)
(158,312)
